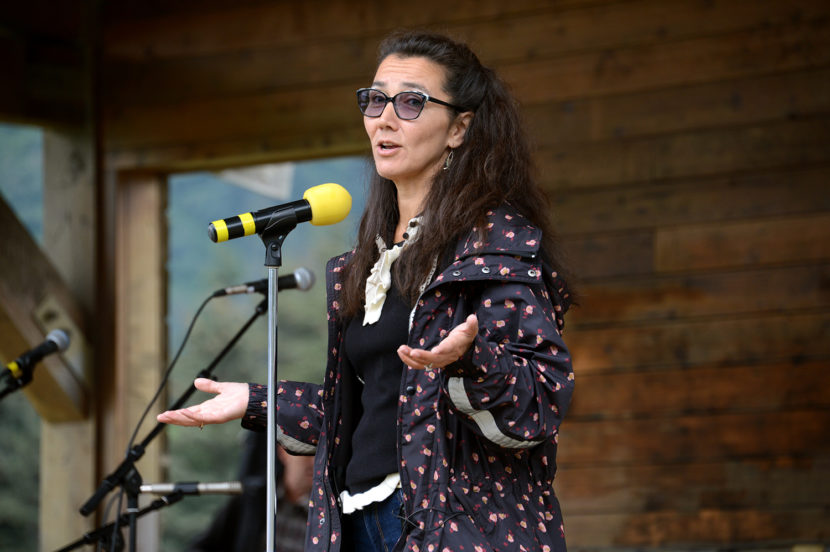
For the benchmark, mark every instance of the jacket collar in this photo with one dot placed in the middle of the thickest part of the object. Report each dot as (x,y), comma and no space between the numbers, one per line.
(508,232)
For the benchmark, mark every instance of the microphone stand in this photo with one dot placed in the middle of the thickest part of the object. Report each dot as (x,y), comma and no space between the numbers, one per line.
(278,227)
(126,474)
(103,533)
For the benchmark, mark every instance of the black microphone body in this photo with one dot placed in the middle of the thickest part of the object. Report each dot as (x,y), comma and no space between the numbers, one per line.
(321,205)
(21,367)
(301,279)
(255,222)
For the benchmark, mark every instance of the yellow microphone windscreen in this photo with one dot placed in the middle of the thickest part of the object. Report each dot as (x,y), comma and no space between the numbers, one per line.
(330,203)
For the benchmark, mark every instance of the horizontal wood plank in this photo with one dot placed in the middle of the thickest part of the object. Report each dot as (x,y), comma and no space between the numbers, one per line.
(722,341)
(799,44)
(741,244)
(693,154)
(773,483)
(711,528)
(555,34)
(745,243)
(157,136)
(499,33)
(578,24)
(743,101)
(611,254)
(301,114)
(273,147)
(703,390)
(787,192)
(241,109)
(197,28)
(774,289)
(695,438)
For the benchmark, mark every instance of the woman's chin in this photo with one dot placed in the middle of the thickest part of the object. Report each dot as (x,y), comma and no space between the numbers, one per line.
(385,171)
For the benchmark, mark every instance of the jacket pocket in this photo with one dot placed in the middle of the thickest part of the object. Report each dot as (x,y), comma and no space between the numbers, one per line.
(472,502)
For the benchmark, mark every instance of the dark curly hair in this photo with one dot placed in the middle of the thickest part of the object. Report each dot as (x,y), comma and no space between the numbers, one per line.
(493,166)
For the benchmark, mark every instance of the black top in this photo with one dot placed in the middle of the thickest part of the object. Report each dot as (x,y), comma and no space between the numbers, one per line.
(372,351)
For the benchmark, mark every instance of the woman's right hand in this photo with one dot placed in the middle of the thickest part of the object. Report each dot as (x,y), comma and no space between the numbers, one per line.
(230,403)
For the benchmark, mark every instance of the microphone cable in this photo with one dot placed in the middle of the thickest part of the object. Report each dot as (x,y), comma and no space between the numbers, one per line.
(161,386)
(166,375)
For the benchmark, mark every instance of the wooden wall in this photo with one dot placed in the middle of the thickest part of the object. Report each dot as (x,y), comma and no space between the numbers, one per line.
(685,146)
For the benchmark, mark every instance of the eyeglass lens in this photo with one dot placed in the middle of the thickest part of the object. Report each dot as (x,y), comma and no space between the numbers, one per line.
(408,105)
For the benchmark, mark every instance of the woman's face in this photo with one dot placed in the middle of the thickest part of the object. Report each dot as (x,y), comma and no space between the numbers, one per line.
(409,153)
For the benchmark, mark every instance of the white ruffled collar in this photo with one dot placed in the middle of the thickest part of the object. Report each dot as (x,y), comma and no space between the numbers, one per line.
(380,277)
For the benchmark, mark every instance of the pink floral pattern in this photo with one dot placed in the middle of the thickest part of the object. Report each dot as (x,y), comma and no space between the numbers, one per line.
(477,439)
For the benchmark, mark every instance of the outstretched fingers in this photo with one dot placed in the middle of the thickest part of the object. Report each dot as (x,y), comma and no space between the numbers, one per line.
(230,403)
(450,349)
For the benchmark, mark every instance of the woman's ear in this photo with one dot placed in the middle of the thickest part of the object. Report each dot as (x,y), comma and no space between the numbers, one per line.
(459,129)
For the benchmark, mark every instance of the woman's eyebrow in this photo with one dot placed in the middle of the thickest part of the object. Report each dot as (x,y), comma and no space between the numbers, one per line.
(409,85)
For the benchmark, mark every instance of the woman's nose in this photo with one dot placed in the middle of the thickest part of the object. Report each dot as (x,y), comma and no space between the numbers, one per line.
(388,113)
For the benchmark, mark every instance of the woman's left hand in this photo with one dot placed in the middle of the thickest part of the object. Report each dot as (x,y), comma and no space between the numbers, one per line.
(450,349)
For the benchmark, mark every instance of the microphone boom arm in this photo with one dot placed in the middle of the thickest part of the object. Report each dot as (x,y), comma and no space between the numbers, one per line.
(127,465)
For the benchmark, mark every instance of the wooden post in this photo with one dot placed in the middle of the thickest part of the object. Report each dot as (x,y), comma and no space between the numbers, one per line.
(140,332)
(67,447)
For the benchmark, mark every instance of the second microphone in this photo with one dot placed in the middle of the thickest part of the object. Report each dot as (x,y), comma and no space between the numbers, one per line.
(301,279)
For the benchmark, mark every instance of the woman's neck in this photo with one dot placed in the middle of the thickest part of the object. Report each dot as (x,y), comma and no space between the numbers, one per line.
(410,205)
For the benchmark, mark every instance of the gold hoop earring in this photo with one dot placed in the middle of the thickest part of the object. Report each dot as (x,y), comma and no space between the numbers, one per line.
(448,160)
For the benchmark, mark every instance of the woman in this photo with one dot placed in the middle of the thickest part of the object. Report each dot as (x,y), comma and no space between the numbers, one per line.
(447,379)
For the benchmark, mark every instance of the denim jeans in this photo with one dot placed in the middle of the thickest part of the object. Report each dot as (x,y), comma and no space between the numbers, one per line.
(377,527)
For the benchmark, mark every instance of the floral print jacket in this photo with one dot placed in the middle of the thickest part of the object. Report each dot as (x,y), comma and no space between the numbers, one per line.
(477,439)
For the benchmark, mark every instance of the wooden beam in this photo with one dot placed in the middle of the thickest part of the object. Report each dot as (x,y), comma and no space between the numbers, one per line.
(27,278)
(250,150)
(43,62)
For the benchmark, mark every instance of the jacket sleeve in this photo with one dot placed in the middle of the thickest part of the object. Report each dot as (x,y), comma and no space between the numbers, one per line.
(515,383)
(299,414)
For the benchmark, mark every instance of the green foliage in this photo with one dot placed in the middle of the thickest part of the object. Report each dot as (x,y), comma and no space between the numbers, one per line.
(19,451)
(21,174)
(21,185)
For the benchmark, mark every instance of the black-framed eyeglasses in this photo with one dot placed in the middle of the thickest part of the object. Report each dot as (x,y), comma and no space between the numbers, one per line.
(408,104)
